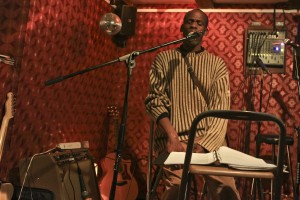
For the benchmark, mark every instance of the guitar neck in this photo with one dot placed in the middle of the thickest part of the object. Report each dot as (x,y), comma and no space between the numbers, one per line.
(116,130)
(113,120)
(3,132)
(8,115)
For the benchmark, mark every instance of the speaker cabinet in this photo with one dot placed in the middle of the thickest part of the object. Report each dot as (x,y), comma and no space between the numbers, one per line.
(128,18)
(32,193)
(66,174)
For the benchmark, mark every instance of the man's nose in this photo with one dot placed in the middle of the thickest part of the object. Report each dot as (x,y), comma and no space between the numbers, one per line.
(194,25)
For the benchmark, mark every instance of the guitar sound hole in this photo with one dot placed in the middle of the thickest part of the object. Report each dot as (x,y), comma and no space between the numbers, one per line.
(121,183)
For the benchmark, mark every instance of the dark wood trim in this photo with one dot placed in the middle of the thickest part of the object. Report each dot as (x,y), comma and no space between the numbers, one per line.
(205,3)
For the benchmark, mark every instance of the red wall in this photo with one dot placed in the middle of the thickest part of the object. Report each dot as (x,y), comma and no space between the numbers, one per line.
(55,38)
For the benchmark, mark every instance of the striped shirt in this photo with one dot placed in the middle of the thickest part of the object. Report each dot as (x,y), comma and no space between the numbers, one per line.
(173,94)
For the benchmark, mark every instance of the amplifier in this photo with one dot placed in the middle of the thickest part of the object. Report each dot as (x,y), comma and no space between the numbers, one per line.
(69,174)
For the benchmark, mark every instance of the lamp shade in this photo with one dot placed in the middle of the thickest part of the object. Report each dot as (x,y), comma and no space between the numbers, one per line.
(110,23)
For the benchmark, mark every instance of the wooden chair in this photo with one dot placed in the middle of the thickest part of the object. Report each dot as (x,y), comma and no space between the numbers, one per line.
(275,175)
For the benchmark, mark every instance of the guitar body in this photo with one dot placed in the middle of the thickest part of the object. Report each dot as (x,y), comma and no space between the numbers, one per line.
(6,191)
(126,186)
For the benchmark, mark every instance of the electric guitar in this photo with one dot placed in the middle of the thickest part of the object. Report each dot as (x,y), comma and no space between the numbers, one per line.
(126,186)
(6,189)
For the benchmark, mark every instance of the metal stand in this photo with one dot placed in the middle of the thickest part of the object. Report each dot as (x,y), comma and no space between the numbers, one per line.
(150,160)
(296,70)
(296,76)
(298,164)
(130,62)
(130,65)
(257,182)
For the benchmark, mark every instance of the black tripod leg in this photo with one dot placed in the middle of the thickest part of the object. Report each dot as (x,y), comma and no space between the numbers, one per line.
(157,176)
(298,165)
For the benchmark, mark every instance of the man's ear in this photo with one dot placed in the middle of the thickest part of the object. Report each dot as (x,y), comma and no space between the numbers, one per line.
(206,31)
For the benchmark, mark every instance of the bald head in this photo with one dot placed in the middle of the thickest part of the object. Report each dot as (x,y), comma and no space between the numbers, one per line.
(189,13)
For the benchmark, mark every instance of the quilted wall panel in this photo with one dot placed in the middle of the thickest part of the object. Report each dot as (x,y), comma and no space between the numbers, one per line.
(49,39)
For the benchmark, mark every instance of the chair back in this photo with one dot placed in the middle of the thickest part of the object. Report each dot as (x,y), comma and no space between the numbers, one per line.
(236,115)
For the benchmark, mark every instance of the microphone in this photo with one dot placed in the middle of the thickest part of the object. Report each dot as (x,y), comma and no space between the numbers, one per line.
(291,43)
(262,65)
(84,193)
(193,35)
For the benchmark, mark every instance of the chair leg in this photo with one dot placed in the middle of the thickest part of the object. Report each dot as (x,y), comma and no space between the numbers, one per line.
(188,187)
(195,189)
(252,190)
(291,169)
(204,192)
(256,187)
(260,189)
(191,178)
(157,176)
(272,182)
(150,164)
(289,164)
(256,183)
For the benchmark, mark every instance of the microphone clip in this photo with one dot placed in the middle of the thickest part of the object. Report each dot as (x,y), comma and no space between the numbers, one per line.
(291,43)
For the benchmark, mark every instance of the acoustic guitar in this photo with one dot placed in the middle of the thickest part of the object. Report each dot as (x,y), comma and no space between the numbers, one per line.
(6,189)
(126,186)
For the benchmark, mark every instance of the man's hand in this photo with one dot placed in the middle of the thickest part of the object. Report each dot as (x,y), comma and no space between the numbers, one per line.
(199,149)
(174,144)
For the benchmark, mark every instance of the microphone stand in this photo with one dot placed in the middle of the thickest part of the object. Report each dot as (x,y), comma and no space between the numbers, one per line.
(256,182)
(130,62)
(298,164)
(296,70)
(296,75)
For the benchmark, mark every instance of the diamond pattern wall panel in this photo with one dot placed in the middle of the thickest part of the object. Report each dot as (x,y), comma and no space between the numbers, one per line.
(52,39)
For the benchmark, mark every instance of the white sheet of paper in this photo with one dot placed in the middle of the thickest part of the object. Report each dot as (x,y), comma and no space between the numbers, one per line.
(231,157)
(197,158)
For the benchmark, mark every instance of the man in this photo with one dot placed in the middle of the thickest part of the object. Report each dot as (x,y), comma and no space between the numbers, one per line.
(183,83)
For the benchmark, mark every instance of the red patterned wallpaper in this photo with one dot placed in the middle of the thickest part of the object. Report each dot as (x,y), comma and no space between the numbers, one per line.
(55,38)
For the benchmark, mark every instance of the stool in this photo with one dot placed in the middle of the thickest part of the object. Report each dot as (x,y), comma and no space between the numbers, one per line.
(273,139)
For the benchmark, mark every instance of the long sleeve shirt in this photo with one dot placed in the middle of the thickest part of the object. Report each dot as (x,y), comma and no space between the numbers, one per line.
(173,94)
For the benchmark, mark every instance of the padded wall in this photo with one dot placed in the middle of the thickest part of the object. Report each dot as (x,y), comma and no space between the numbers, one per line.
(56,38)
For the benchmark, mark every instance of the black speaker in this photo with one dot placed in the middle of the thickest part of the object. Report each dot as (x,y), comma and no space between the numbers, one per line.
(294,4)
(67,174)
(32,193)
(128,18)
